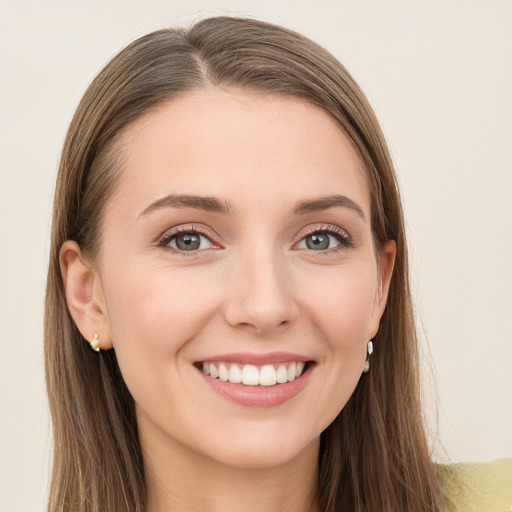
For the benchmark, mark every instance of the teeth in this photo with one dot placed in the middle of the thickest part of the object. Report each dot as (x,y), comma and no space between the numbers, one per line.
(282,374)
(291,372)
(223,373)
(213,371)
(267,375)
(250,375)
(235,374)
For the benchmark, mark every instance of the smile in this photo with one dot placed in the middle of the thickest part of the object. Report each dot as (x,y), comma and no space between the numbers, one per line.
(256,380)
(252,375)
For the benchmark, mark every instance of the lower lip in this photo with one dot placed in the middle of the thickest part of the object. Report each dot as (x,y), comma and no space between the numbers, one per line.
(258,396)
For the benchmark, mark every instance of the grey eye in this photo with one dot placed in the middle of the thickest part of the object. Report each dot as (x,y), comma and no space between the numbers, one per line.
(319,242)
(189,242)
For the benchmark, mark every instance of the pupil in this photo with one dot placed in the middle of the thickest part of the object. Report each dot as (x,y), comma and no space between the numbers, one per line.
(188,242)
(317,242)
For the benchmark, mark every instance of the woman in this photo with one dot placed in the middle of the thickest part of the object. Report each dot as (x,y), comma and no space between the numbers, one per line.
(228,237)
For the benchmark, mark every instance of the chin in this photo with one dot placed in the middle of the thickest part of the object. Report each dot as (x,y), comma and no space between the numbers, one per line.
(262,453)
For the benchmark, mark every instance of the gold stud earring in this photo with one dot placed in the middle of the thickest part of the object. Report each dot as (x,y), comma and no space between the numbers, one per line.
(95,343)
(366,367)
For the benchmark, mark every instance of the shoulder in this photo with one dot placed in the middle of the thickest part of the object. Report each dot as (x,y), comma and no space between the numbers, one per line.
(478,487)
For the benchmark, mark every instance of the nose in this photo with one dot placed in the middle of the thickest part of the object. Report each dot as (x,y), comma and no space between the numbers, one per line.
(260,292)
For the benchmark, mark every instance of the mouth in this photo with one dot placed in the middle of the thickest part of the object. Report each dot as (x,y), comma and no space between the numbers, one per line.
(263,375)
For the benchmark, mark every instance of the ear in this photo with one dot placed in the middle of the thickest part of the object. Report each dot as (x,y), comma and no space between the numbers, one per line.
(84,295)
(385,264)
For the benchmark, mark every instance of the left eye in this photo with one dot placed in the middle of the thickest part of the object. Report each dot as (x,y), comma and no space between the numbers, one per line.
(319,241)
(189,241)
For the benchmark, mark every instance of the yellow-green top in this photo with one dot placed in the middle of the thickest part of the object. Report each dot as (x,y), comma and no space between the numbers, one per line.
(478,487)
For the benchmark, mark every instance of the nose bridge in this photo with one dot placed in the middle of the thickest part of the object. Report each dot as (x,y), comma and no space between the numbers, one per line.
(261,292)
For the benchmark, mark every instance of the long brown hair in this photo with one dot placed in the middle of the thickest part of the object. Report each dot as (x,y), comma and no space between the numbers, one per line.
(374,456)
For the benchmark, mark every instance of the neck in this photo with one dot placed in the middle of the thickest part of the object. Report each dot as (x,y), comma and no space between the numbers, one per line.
(181,479)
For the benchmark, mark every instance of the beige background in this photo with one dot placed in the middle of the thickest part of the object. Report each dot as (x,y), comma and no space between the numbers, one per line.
(439,76)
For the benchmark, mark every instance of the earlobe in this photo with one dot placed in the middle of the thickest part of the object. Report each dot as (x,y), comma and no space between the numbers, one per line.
(84,294)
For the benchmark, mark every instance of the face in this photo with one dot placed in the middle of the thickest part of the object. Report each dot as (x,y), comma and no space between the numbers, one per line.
(238,246)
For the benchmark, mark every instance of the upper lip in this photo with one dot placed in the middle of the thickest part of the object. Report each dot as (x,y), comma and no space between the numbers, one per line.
(256,359)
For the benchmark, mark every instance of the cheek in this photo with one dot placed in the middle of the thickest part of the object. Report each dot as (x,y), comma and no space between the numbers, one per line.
(156,306)
(343,308)
(153,315)
(340,313)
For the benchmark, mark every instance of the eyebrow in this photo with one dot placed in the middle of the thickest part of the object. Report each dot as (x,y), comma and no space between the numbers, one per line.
(324,203)
(212,204)
(209,204)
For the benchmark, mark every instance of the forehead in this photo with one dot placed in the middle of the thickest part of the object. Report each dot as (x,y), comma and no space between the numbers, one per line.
(238,145)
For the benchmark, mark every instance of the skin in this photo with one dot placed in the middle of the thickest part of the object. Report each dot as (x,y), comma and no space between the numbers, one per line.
(254,285)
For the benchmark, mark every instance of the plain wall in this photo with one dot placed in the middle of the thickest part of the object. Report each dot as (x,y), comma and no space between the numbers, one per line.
(439,76)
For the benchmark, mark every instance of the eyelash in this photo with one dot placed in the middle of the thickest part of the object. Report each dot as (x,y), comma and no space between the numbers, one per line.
(189,230)
(345,242)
